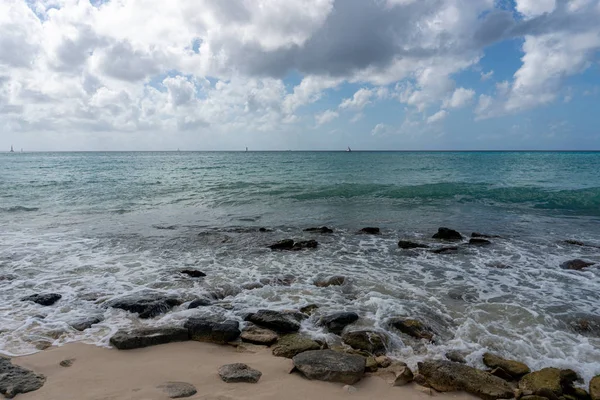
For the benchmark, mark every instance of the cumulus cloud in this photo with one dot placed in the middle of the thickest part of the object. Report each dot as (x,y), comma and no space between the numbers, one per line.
(487,75)
(358,101)
(326,116)
(437,117)
(460,98)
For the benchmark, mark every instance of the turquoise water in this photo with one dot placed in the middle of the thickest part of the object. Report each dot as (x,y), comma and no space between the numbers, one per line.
(114,223)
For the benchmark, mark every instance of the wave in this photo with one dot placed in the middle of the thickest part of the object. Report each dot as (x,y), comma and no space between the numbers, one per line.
(19,209)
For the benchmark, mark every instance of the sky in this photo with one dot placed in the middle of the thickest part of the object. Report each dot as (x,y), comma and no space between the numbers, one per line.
(300,74)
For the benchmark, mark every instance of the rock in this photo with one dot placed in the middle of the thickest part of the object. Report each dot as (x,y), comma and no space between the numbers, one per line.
(286,244)
(193,273)
(547,378)
(330,366)
(305,244)
(349,389)
(581,394)
(515,369)
(201,302)
(456,356)
(420,380)
(7,277)
(479,242)
(46,299)
(483,235)
(446,376)
(67,363)
(86,323)
(203,330)
(576,265)
(148,337)
(289,346)
(445,250)
(502,374)
(265,230)
(322,229)
(234,373)
(252,285)
(447,234)
(370,231)
(383,361)
(412,327)
(595,388)
(371,364)
(404,377)
(178,390)
(224,291)
(309,309)
(15,380)
(275,320)
(533,397)
(255,335)
(405,244)
(337,280)
(370,341)
(546,393)
(146,304)
(336,322)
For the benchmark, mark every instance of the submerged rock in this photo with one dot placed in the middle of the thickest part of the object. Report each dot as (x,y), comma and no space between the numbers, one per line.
(136,339)
(447,234)
(444,250)
(446,376)
(15,380)
(286,244)
(595,388)
(369,341)
(203,330)
(193,273)
(178,390)
(406,245)
(456,356)
(330,366)
(265,230)
(479,242)
(201,302)
(146,304)
(308,309)
(412,327)
(86,323)
(337,280)
(515,369)
(322,229)
(336,322)
(46,299)
(305,244)
(256,335)
(289,346)
(370,231)
(483,235)
(235,373)
(576,265)
(276,320)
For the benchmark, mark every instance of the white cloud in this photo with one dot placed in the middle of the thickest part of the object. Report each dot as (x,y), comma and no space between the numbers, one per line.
(358,101)
(533,8)
(460,98)
(437,117)
(381,130)
(326,117)
(487,75)
(357,118)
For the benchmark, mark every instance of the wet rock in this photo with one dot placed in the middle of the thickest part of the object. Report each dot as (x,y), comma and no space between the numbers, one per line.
(337,280)
(576,265)
(547,378)
(283,280)
(533,397)
(515,369)
(595,388)
(483,235)
(265,230)
(203,330)
(498,265)
(252,285)
(330,366)
(224,291)
(86,323)
(322,229)
(445,250)
(15,380)
(446,376)
(178,390)
(309,309)
(46,299)
(406,244)
(235,373)
(447,234)
(255,335)
(275,320)
(502,374)
(369,341)
(289,346)
(370,231)
(420,380)
(201,302)
(479,242)
(383,361)
(136,339)
(404,377)
(336,322)
(67,363)
(286,244)
(7,277)
(146,304)
(456,356)
(192,273)
(305,244)
(371,364)
(580,394)
(579,243)
(412,327)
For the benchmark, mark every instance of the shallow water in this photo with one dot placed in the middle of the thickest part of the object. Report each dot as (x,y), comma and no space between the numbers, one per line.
(93,226)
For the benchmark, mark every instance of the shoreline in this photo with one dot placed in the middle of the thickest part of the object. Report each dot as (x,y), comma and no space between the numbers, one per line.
(101,374)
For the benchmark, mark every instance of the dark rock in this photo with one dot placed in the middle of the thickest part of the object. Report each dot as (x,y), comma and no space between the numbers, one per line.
(286,244)
(420,380)
(15,380)
(595,388)
(193,273)
(515,369)
(479,242)
(502,374)
(456,356)
(446,376)
(580,394)
(46,299)
(483,235)
(252,285)
(370,231)
(309,309)
(7,277)
(447,234)
(412,327)
(201,302)
(322,229)
(576,265)
(256,335)
(336,322)
(178,390)
(331,281)
(370,341)
(148,337)
(305,244)
(405,244)
(289,346)
(234,373)
(67,363)
(86,323)
(203,330)
(224,291)
(276,320)
(146,304)
(533,397)
(580,244)
(546,393)
(404,377)
(547,378)
(444,250)
(330,366)
(265,230)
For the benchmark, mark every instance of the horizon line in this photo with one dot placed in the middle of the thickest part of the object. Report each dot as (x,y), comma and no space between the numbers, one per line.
(309,151)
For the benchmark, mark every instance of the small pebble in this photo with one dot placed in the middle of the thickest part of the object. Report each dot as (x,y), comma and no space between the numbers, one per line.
(350,389)
(67,363)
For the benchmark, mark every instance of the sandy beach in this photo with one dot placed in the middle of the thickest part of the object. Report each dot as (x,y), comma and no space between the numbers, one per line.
(107,374)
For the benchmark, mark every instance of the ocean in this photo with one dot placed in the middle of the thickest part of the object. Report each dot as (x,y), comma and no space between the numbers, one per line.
(95,226)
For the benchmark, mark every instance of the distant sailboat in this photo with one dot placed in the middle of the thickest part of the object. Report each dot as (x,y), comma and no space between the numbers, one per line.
(11,149)
(348,149)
